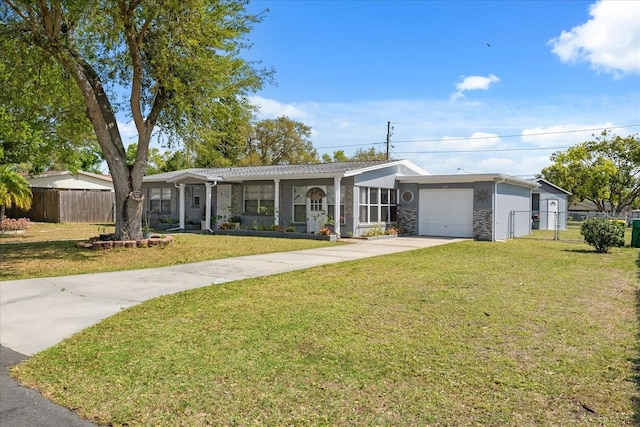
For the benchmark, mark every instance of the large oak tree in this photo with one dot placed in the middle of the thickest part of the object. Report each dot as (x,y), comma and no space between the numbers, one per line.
(169,64)
(605,171)
(280,141)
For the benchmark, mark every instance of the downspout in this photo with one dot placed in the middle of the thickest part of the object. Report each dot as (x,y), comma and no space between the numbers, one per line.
(493,210)
(336,204)
(207,215)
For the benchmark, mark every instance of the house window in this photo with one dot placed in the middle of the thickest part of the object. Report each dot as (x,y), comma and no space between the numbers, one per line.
(160,199)
(377,205)
(300,204)
(259,199)
(195,197)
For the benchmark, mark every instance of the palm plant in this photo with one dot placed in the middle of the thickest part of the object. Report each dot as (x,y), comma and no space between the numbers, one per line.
(14,189)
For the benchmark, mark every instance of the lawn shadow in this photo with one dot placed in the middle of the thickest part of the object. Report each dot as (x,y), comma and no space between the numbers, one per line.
(15,253)
(636,359)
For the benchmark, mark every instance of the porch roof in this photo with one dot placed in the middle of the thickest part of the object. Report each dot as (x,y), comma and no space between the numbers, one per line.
(254,173)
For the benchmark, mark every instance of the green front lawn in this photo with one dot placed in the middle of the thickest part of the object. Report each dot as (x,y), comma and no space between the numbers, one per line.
(525,333)
(50,250)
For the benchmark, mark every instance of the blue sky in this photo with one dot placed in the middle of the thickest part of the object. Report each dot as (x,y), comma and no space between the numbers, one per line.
(552,70)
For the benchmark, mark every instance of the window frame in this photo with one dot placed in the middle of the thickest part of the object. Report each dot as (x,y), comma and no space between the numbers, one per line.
(377,205)
(163,199)
(264,191)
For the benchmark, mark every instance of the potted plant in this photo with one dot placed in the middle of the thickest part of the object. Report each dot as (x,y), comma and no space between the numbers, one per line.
(102,230)
(235,220)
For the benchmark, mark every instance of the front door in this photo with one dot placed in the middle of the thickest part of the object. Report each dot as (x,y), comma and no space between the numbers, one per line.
(316,209)
(552,214)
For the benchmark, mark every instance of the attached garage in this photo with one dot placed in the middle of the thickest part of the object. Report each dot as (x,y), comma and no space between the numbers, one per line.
(485,207)
(446,212)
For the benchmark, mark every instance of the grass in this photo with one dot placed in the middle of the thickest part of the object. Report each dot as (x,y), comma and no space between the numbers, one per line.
(50,250)
(524,333)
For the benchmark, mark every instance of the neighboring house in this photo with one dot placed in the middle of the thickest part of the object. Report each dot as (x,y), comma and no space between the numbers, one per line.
(351,196)
(549,206)
(63,196)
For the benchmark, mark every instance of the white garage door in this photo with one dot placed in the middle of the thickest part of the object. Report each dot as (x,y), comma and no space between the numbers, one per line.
(447,212)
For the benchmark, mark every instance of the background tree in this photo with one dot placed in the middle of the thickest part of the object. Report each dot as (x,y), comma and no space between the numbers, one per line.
(605,171)
(14,189)
(362,155)
(41,127)
(279,141)
(338,156)
(155,161)
(178,62)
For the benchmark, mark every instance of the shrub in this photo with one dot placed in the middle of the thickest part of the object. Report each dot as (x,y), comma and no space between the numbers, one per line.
(9,224)
(602,234)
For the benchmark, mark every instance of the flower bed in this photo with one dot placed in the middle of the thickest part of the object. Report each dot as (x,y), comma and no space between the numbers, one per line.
(13,226)
(281,234)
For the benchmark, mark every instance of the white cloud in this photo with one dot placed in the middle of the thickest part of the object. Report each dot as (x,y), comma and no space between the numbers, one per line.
(431,133)
(128,132)
(562,135)
(473,83)
(610,40)
(477,141)
(270,108)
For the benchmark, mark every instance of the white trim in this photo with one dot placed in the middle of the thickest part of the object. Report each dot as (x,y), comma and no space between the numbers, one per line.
(336,205)
(182,204)
(276,201)
(468,178)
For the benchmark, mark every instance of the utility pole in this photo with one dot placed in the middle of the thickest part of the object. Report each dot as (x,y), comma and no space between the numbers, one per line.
(388,138)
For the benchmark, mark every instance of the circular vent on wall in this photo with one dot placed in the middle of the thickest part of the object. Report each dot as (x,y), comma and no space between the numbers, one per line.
(407,196)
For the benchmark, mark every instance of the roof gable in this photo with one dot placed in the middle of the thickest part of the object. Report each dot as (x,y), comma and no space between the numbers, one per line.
(544,181)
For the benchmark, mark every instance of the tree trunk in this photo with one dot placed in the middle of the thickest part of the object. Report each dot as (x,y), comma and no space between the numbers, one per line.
(127,180)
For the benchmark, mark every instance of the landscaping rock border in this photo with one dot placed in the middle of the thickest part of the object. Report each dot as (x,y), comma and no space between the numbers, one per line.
(95,243)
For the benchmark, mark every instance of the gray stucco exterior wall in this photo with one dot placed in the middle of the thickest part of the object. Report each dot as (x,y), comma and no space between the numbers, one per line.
(511,199)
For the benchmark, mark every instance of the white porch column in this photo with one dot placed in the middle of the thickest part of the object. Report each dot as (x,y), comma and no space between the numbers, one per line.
(207,212)
(181,210)
(336,206)
(276,202)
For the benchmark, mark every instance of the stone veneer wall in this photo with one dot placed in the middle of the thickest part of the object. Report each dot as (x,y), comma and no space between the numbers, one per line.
(408,219)
(348,202)
(482,220)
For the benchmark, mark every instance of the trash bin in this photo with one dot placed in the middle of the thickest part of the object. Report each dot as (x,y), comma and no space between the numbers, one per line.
(635,233)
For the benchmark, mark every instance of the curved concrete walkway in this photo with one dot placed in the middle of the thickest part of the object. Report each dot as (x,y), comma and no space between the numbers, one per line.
(38,313)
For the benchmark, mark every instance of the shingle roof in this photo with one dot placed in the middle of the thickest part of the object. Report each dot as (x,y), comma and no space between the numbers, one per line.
(274,170)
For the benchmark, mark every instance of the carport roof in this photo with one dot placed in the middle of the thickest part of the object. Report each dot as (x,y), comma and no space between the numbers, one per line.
(468,177)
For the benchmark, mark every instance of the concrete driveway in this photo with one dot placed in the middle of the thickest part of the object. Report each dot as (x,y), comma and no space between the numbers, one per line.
(38,313)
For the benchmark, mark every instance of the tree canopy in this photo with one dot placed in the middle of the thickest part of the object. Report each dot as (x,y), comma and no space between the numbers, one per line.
(605,171)
(41,127)
(173,66)
(279,141)
(361,155)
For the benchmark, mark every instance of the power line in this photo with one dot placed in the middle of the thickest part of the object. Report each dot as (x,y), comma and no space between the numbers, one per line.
(475,138)
(483,150)
(520,135)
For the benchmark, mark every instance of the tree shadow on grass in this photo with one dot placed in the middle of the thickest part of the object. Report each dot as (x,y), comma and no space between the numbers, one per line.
(16,255)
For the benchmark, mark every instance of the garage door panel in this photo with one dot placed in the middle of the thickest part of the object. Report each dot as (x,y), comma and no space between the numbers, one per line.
(446,212)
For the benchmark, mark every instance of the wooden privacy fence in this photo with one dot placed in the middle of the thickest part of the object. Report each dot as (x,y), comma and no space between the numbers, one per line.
(53,205)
